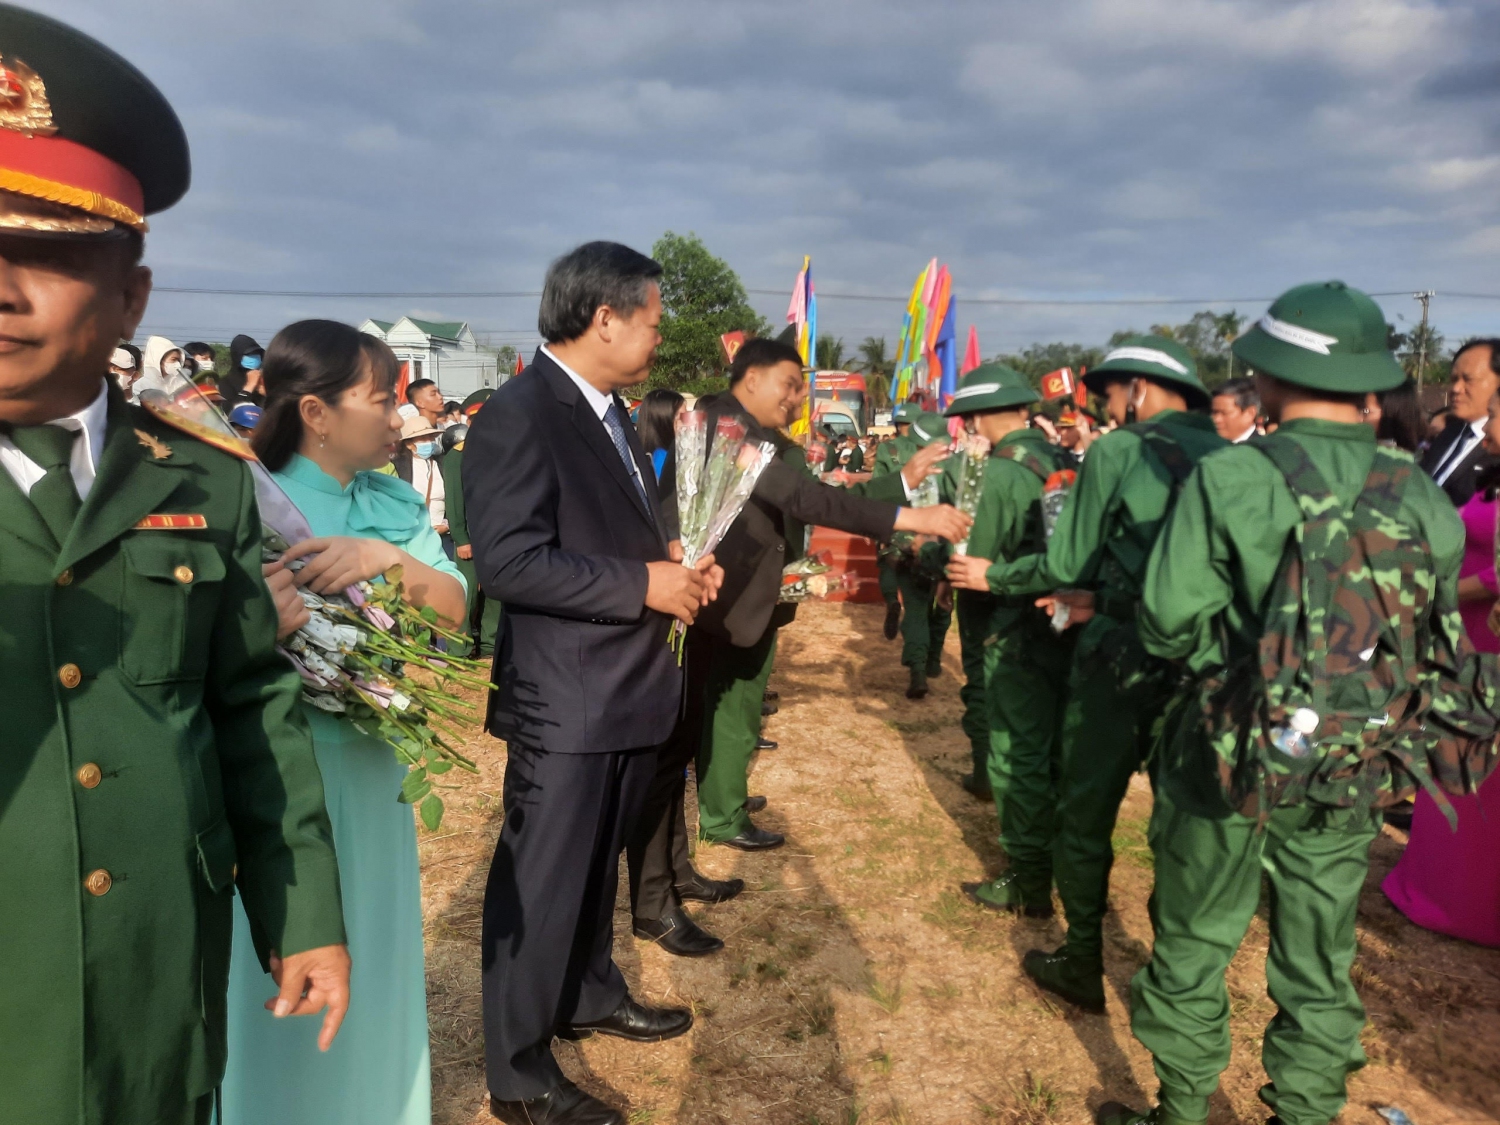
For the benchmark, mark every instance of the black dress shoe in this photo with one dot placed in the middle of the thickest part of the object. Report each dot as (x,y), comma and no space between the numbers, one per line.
(767,709)
(770,695)
(754,804)
(892,620)
(755,839)
(700,888)
(766,744)
(675,932)
(635,1022)
(564,1105)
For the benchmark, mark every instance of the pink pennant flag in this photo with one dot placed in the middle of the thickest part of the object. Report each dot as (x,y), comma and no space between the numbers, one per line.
(971,352)
(796,312)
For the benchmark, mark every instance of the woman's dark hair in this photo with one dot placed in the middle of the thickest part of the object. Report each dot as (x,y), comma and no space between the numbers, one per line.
(314,357)
(656,421)
(588,278)
(1401,417)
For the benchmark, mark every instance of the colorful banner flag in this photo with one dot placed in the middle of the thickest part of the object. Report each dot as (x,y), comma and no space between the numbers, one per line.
(731,342)
(1057,384)
(971,353)
(803,313)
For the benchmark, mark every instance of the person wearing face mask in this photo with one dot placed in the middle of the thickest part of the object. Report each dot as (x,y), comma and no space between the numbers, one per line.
(420,438)
(201,357)
(1095,563)
(125,367)
(161,362)
(242,382)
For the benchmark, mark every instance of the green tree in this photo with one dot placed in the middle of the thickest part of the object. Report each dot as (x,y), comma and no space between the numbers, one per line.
(1039,359)
(1436,363)
(702,298)
(505,362)
(830,354)
(879,368)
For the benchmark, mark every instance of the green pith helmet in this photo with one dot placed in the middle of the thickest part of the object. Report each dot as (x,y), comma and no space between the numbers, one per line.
(1155,357)
(906,412)
(929,428)
(1325,336)
(478,398)
(991,386)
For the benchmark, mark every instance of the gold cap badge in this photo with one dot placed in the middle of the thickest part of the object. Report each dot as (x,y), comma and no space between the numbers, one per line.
(24,107)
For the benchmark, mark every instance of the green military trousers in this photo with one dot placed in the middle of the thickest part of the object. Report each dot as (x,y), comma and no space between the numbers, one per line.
(1208,883)
(736,687)
(924,623)
(1026,692)
(973,610)
(482,620)
(1115,693)
(889,587)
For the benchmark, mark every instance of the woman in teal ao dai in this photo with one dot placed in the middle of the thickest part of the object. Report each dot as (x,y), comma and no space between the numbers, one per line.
(330,420)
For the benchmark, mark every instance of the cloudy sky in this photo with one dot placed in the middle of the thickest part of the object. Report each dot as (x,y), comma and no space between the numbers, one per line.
(1064,150)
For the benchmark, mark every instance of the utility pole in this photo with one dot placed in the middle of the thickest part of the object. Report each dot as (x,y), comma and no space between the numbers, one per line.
(1424,296)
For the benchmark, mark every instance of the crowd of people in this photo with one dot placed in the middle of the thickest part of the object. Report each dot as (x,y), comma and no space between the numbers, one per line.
(1275,597)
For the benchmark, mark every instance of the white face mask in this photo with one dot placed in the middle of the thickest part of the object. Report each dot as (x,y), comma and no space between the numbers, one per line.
(171,367)
(1137,394)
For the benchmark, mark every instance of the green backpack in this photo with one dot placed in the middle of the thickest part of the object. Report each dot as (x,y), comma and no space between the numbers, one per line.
(1363,686)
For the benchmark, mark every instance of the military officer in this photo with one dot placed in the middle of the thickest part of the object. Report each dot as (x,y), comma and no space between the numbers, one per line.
(1212,580)
(155,755)
(1016,663)
(925,598)
(1096,560)
(890,456)
(484,613)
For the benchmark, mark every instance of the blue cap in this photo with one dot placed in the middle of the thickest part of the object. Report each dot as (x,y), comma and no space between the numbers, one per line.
(246,415)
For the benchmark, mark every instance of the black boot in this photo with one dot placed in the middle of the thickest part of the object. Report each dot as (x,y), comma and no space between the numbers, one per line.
(892,620)
(917,689)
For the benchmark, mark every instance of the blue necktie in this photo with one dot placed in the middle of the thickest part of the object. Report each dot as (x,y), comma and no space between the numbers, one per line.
(614,423)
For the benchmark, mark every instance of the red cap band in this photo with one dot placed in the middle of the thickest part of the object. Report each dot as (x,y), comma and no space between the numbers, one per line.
(67,172)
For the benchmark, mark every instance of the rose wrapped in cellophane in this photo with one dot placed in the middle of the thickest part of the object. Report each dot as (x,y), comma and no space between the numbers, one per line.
(974,453)
(357,648)
(712,491)
(813,576)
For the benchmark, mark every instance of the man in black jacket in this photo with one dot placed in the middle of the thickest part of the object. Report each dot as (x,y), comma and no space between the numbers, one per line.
(730,649)
(563,518)
(1457,455)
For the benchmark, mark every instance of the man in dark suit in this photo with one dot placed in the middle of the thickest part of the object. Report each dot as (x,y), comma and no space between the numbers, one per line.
(1457,455)
(730,650)
(562,510)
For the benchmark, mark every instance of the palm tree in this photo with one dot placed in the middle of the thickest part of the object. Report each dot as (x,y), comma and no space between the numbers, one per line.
(878,367)
(830,353)
(1228,327)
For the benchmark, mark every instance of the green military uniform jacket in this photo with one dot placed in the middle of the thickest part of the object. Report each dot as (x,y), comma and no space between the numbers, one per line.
(891,455)
(453,490)
(1223,543)
(155,754)
(1111,517)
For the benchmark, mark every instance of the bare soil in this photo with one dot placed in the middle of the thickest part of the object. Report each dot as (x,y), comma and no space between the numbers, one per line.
(859,985)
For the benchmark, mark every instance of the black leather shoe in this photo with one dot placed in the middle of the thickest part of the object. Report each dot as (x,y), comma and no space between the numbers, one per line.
(978,787)
(700,888)
(917,689)
(754,804)
(934,667)
(770,695)
(892,620)
(755,839)
(767,709)
(635,1022)
(564,1105)
(675,932)
(766,744)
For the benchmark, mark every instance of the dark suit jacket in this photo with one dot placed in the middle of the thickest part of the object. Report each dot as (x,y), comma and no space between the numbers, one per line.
(756,546)
(561,538)
(1462,482)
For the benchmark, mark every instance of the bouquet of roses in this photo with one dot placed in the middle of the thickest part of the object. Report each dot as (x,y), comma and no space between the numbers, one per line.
(974,453)
(356,650)
(712,488)
(813,577)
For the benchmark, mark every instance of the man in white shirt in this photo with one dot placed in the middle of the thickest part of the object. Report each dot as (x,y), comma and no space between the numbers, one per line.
(1236,410)
(1456,456)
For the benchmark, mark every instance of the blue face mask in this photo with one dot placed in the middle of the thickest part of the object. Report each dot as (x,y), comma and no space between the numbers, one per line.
(250,362)
(427,449)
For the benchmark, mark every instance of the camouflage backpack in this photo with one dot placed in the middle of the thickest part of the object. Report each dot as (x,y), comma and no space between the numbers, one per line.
(1363,685)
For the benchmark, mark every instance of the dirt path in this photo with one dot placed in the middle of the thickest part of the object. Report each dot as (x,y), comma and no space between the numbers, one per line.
(858,985)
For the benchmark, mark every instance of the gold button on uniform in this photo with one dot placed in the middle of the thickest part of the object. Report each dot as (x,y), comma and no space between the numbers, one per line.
(89,775)
(65,578)
(98,882)
(70,676)
(183,574)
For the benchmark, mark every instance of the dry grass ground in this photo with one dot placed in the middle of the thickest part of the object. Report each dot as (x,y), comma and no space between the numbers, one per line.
(859,985)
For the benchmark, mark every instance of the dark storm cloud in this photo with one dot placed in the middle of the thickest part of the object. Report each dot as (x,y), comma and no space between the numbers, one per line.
(1073,148)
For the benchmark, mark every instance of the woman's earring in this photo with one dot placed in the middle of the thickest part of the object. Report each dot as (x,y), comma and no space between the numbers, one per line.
(321,439)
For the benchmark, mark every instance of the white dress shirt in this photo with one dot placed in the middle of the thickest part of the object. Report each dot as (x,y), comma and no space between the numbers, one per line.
(597,399)
(1249,433)
(1460,449)
(86,450)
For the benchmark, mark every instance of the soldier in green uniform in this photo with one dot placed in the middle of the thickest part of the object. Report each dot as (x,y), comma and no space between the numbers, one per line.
(1095,561)
(925,597)
(484,613)
(155,753)
(890,456)
(1016,693)
(1268,550)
